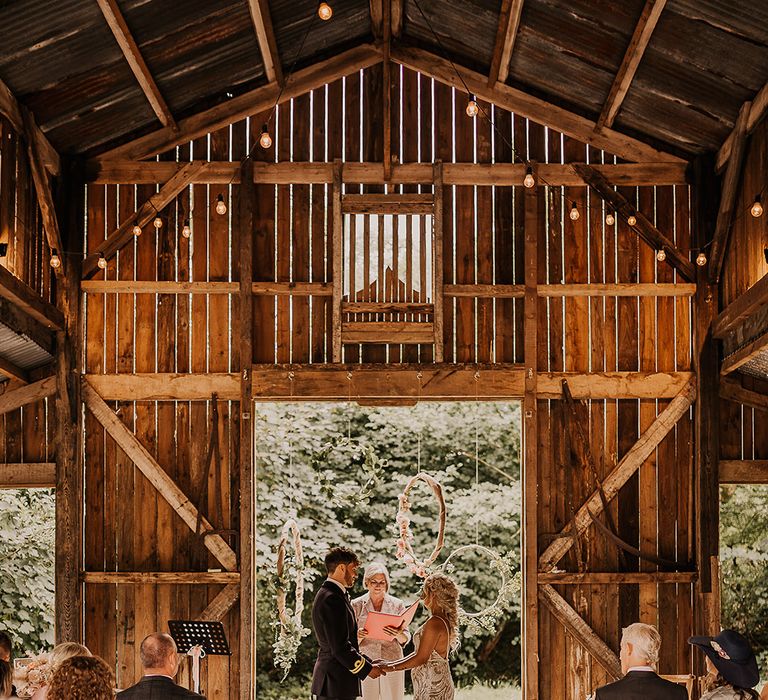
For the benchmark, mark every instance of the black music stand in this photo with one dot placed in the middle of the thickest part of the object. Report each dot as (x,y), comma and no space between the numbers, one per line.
(204,636)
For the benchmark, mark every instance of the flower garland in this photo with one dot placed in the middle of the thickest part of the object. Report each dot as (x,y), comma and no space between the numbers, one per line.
(486,620)
(31,674)
(290,628)
(367,464)
(403,521)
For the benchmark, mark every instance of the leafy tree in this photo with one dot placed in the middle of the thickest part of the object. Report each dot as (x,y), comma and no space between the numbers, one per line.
(314,463)
(27,521)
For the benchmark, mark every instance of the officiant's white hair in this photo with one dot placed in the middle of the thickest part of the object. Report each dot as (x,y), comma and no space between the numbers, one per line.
(645,639)
(375,567)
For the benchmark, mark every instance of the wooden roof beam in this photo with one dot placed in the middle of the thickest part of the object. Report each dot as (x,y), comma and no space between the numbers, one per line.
(731,389)
(634,54)
(376,11)
(265,35)
(526,105)
(23,324)
(253,102)
(396,17)
(130,49)
(644,228)
(509,23)
(728,196)
(757,110)
(16,398)
(28,301)
(741,308)
(13,372)
(14,113)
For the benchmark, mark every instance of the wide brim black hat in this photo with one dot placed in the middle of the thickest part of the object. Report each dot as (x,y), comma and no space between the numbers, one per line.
(732,656)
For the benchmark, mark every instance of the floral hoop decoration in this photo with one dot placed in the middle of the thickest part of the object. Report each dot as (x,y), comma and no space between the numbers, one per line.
(487,619)
(290,629)
(403,520)
(30,674)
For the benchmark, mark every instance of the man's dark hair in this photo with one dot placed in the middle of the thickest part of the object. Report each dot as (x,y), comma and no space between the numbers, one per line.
(5,644)
(339,555)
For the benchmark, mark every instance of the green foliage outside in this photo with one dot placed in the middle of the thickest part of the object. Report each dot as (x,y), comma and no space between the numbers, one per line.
(340,495)
(27,518)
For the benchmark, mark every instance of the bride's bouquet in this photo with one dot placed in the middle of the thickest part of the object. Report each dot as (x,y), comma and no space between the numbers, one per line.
(30,674)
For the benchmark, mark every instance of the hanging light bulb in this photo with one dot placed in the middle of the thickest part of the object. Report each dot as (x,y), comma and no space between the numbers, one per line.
(265,140)
(529,181)
(701,259)
(186,231)
(158,223)
(472,108)
(574,213)
(221,206)
(324,11)
(102,262)
(137,230)
(55,259)
(757,208)
(610,219)
(631,219)
(661,255)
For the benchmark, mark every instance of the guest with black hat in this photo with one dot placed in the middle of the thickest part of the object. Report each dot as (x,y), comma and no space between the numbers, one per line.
(731,666)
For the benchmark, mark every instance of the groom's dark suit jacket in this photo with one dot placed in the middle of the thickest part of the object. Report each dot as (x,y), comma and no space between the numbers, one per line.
(340,666)
(642,685)
(157,688)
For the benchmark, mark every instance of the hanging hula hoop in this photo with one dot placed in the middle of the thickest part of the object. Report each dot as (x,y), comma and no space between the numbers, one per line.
(290,530)
(403,521)
(501,567)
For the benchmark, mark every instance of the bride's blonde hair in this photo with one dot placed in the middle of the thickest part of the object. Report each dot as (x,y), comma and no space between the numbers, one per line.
(445,594)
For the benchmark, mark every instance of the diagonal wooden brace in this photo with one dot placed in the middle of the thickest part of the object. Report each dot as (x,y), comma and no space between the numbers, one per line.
(157,476)
(631,462)
(222,603)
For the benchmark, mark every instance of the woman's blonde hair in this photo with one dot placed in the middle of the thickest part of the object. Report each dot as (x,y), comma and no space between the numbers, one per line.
(713,681)
(66,650)
(82,678)
(444,594)
(375,567)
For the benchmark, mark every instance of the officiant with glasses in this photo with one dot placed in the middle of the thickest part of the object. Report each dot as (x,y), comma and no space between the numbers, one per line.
(376,580)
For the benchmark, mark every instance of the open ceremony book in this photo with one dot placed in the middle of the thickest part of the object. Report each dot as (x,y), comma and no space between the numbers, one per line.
(377,621)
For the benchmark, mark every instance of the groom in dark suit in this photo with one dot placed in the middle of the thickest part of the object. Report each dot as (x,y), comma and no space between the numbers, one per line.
(340,667)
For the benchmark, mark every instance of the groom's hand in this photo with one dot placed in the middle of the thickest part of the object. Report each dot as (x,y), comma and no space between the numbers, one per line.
(376,671)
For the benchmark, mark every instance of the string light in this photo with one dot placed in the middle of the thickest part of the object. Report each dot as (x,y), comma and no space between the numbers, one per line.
(529,181)
(158,223)
(102,261)
(631,219)
(324,11)
(265,140)
(186,231)
(757,207)
(661,255)
(472,108)
(55,259)
(574,213)
(610,219)
(137,230)
(221,206)
(701,259)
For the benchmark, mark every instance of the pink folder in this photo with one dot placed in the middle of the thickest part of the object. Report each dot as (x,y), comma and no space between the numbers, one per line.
(377,621)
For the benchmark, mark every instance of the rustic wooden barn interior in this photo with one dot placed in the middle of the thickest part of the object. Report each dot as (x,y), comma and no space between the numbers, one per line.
(620,298)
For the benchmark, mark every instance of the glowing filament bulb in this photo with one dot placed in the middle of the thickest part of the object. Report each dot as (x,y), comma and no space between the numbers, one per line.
(757,208)
(701,259)
(631,219)
(265,140)
(574,213)
(324,11)
(221,206)
(186,231)
(472,108)
(102,262)
(529,181)
(158,223)
(55,260)
(610,219)
(137,230)
(661,255)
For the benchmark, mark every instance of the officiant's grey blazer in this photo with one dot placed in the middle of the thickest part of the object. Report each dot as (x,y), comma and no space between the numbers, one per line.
(642,685)
(157,688)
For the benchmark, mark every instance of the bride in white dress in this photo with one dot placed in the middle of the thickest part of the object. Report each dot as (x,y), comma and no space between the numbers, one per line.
(433,641)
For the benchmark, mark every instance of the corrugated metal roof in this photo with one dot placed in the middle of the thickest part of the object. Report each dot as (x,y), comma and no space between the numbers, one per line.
(20,350)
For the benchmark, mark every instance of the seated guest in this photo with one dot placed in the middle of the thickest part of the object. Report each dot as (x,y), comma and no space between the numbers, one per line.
(6,679)
(82,678)
(732,670)
(6,648)
(160,661)
(639,656)
(61,652)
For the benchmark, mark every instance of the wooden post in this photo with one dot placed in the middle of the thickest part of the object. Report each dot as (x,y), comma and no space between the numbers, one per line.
(69,480)
(437,260)
(530,604)
(245,232)
(386,86)
(338,260)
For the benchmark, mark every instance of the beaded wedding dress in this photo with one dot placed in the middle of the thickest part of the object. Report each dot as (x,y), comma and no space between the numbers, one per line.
(432,680)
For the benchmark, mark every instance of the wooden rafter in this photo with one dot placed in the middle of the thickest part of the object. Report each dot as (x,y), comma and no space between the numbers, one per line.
(265,35)
(28,475)
(743,471)
(641,37)
(376,12)
(16,398)
(14,112)
(728,195)
(741,308)
(156,475)
(28,301)
(745,354)
(525,105)
(732,390)
(644,228)
(13,371)
(117,24)
(396,18)
(509,23)
(253,102)
(146,213)
(629,464)
(24,325)
(757,110)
